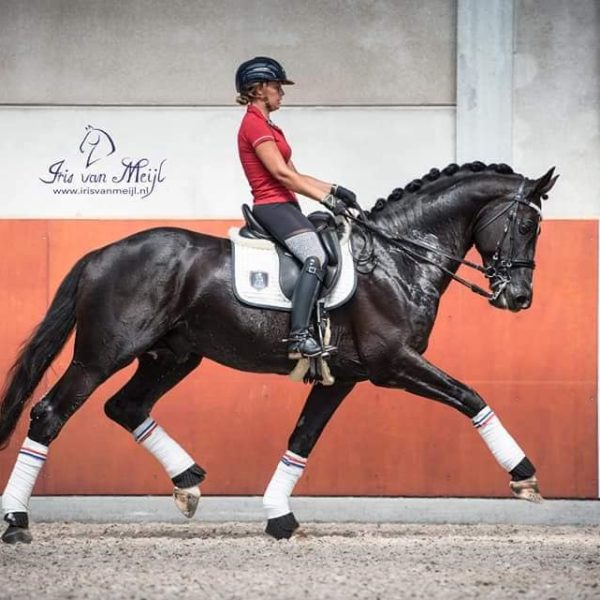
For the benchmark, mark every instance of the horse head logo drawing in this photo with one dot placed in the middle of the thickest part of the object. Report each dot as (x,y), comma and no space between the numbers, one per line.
(96,144)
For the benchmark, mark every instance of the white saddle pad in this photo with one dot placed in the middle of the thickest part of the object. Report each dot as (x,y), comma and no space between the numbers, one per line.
(256,273)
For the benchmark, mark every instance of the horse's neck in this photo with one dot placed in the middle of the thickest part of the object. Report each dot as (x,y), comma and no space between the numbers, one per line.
(444,220)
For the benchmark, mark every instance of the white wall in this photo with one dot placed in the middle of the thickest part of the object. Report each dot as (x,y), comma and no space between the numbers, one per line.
(201,175)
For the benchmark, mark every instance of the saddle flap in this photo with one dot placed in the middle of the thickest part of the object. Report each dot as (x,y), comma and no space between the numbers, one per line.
(289,271)
(326,227)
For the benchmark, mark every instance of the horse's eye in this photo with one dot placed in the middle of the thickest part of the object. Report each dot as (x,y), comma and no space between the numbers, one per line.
(526,227)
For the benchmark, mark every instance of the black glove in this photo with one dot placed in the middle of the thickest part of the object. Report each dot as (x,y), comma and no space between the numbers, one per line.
(335,205)
(346,196)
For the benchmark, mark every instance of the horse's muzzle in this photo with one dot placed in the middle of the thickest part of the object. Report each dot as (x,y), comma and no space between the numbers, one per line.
(513,299)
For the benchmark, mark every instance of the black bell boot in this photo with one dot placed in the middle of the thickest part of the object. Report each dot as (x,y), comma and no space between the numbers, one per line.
(301,342)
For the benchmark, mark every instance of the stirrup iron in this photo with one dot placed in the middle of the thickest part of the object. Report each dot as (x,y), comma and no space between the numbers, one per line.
(298,340)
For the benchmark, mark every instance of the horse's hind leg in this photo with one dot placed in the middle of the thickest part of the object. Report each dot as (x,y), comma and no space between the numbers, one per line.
(48,417)
(320,405)
(158,372)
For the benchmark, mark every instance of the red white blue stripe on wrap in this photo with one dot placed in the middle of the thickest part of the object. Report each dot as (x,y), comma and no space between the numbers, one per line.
(33,453)
(483,417)
(293,460)
(146,432)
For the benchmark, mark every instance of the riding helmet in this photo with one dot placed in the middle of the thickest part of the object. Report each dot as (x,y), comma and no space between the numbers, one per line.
(257,69)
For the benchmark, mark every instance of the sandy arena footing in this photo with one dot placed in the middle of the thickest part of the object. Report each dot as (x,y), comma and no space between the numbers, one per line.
(340,560)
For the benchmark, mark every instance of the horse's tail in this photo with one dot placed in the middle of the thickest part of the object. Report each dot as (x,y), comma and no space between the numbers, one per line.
(38,352)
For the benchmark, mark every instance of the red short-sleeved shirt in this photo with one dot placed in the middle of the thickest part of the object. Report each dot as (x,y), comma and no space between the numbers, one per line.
(254,130)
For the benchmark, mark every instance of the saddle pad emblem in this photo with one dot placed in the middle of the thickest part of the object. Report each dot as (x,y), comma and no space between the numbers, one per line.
(259,280)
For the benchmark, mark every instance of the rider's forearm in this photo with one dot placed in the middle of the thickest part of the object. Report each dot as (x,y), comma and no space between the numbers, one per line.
(304,184)
(323,186)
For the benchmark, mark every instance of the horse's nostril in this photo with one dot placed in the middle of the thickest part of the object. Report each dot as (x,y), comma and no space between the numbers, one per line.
(522,300)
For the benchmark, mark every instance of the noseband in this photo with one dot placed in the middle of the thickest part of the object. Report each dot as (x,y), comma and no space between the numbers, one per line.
(498,272)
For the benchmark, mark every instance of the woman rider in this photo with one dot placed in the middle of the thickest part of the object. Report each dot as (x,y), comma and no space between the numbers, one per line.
(266,159)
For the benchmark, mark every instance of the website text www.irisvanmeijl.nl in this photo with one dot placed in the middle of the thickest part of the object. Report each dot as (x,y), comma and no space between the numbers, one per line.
(127,191)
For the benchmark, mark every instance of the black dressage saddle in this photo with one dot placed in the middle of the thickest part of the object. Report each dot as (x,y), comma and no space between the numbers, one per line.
(289,265)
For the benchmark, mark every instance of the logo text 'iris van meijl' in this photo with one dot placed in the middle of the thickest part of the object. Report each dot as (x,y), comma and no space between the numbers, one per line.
(137,177)
(139,172)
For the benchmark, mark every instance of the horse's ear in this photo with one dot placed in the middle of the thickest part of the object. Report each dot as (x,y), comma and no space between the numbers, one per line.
(545,183)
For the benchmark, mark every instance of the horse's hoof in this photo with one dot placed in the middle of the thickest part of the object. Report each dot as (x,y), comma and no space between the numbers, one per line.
(187,499)
(282,528)
(13,535)
(527,489)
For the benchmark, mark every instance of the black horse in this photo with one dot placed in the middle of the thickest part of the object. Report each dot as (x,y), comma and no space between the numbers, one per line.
(164,297)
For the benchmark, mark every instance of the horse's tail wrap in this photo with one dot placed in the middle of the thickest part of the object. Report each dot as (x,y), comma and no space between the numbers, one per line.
(38,352)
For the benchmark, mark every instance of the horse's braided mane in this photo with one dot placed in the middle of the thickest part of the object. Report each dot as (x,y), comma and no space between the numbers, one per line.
(434,174)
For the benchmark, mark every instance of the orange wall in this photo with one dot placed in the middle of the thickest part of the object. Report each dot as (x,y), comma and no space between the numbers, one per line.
(537,369)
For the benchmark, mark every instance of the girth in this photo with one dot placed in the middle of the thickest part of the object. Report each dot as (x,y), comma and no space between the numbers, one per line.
(289,265)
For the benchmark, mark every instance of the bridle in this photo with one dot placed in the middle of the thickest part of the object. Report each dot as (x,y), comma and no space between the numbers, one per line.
(498,271)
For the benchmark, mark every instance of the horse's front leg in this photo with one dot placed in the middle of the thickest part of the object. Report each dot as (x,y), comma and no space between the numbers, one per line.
(318,409)
(413,373)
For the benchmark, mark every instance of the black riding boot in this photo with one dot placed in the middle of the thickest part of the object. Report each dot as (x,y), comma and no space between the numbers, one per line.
(301,340)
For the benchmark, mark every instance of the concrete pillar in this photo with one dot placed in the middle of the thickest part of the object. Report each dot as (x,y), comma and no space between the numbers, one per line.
(484,80)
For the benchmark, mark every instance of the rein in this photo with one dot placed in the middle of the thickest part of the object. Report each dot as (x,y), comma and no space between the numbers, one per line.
(498,272)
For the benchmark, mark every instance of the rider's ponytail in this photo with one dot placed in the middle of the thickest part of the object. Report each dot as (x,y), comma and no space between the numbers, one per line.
(249,94)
